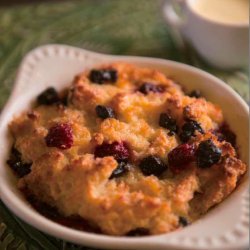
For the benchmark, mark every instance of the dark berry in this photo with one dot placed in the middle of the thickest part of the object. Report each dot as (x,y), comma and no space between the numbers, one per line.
(226,134)
(64,100)
(138,232)
(48,97)
(152,165)
(149,87)
(166,121)
(195,93)
(15,162)
(183,221)
(104,112)
(103,75)
(60,136)
(188,130)
(122,168)
(180,157)
(207,154)
(119,150)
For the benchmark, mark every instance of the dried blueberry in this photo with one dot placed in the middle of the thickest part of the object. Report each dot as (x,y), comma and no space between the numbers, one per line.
(149,87)
(183,221)
(188,130)
(60,136)
(104,112)
(138,232)
(103,75)
(166,121)
(119,150)
(15,162)
(152,165)
(122,168)
(226,134)
(207,154)
(195,93)
(180,157)
(64,100)
(48,97)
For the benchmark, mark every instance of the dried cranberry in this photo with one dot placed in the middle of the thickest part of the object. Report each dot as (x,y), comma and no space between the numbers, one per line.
(152,165)
(119,150)
(103,75)
(48,97)
(195,93)
(226,134)
(183,221)
(122,168)
(149,87)
(180,157)
(60,136)
(207,154)
(166,121)
(140,231)
(104,112)
(15,162)
(188,130)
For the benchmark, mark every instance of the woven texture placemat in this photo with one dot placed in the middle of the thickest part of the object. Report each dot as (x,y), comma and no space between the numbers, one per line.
(130,27)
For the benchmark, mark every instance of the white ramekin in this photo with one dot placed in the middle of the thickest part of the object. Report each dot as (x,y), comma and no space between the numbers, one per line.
(224,227)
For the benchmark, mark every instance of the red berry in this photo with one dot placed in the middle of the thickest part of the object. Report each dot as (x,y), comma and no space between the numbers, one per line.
(180,157)
(60,136)
(119,150)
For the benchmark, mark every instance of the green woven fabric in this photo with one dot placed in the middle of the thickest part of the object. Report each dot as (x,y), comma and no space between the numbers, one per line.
(131,27)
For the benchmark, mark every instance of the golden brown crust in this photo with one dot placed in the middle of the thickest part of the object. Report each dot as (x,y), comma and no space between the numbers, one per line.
(77,183)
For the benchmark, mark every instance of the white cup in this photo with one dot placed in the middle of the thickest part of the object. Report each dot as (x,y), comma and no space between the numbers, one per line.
(223,45)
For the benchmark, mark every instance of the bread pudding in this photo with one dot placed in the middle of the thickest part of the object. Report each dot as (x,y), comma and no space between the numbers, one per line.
(126,150)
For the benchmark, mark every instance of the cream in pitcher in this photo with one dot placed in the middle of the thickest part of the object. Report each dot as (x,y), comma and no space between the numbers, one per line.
(217,29)
(225,11)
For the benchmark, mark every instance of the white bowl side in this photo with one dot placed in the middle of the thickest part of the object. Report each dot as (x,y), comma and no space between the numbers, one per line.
(57,65)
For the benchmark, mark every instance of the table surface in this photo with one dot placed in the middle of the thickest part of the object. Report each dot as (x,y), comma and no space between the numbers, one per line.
(129,27)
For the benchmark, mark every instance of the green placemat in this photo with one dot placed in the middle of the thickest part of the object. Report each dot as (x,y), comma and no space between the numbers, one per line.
(131,27)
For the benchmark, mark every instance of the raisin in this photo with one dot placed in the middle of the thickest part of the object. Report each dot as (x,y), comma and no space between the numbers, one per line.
(60,136)
(104,112)
(149,87)
(122,168)
(166,121)
(188,130)
(64,100)
(226,134)
(103,75)
(138,232)
(15,162)
(152,165)
(183,221)
(48,97)
(180,157)
(195,93)
(207,154)
(119,150)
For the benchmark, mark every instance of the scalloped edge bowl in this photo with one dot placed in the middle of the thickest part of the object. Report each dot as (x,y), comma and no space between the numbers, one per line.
(224,227)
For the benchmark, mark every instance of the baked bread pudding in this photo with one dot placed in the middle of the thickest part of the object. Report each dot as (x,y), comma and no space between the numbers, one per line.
(126,151)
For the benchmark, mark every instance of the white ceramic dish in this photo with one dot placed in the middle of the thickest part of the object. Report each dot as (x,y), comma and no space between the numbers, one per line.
(224,227)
